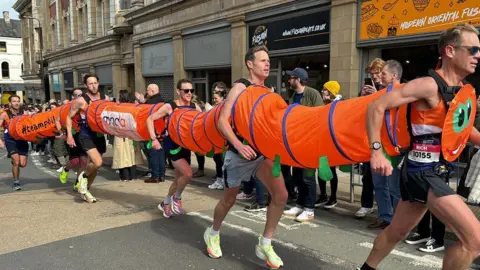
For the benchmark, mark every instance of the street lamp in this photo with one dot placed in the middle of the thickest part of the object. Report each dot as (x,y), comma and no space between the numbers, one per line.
(40,40)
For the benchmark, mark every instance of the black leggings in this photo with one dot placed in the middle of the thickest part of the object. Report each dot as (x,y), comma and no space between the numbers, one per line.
(128,173)
(201,162)
(218,158)
(333,185)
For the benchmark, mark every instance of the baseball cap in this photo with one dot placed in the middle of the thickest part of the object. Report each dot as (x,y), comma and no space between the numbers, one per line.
(301,73)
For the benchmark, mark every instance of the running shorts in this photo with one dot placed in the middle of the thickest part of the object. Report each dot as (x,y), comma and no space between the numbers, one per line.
(183,154)
(87,143)
(237,170)
(16,147)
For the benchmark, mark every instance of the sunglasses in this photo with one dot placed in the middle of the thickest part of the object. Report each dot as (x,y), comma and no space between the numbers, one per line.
(473,50)
(77,95)
(186,91)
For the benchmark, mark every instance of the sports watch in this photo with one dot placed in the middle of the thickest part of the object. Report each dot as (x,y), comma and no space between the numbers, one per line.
(376,146)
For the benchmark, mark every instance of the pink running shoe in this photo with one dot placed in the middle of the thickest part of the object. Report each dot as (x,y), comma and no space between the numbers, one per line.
(177,206)
(165,208)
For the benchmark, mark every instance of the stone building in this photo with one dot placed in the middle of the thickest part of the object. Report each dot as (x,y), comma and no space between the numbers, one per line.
(11,59)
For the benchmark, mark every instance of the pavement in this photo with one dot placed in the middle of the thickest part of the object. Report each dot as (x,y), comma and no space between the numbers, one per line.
(47,226)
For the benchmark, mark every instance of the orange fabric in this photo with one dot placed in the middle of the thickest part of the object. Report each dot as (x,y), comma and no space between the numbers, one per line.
(124,120)
(34,127)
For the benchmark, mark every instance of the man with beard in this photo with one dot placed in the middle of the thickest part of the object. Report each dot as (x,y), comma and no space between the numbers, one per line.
(181,160)
(17,149)
(91,142)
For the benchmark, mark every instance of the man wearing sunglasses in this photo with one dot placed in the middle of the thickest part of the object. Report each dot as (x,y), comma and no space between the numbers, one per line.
(242,162)
(422,185)
(92,143)
(77,157)
(172,203)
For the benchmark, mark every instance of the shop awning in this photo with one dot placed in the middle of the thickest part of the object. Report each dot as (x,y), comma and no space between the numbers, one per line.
(12,87)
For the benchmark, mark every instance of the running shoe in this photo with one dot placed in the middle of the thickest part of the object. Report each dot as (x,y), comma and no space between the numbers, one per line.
(88,197)
(416,238)
(165,208)
(76,185)
(213,244)
(83,183)
(293,212)
(218,184)
(267,254)
(177,206)
(242,196)
(63,176)
(305,216)
(330,204)
(256,207)
(363,211)
(16,185)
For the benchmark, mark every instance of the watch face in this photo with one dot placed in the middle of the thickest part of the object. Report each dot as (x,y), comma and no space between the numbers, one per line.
(376,145)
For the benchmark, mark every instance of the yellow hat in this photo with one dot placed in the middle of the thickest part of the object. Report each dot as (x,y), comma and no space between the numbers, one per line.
(333,87)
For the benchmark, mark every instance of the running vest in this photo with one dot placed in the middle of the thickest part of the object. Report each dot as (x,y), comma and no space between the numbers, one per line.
(168,143)
(426,127)
(7,120)
(84,128)
(247,83)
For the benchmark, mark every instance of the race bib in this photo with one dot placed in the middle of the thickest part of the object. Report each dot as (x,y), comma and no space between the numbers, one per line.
(425,153)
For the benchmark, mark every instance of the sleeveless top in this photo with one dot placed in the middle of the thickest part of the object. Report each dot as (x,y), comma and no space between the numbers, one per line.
(84,128)
(168,143)
(7,120)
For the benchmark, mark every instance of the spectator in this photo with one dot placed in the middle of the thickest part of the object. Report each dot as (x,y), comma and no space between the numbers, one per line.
(218,158)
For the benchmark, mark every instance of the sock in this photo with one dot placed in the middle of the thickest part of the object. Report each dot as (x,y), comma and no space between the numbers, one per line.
(66,169)
(213,232)
(166,200)
(265,241)
(309,210)
(365,266)
(178,195)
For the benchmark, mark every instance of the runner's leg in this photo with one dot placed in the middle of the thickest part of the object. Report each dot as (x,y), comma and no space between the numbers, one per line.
(15,166)
(456,215)
(396,231)
(94,164)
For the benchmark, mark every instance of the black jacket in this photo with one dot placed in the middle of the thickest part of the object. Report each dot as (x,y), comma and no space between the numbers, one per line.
(154,99)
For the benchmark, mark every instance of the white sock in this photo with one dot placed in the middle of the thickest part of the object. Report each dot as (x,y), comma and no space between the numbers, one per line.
(213,232)
(167,199)
(265,241)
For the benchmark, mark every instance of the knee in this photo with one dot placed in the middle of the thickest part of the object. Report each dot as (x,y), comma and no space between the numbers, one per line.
(23,164)
(280,197)
(15,163)
(229,202)
(97,163)
(473,245)
(189,173)
(397,234)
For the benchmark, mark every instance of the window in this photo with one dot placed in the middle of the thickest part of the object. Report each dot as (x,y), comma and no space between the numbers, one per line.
(3,47)
(5,71)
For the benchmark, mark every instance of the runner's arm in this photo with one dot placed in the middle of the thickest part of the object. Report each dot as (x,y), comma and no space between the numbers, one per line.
(198,108)
(422,88)
(57,122)
(166,109)
(77,104)
(2,118)
(226,112)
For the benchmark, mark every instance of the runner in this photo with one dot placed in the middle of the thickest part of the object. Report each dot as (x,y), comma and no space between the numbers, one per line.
(423,181)
(242,162)
(17,149)
(77,157)
(181,160)
(91,142)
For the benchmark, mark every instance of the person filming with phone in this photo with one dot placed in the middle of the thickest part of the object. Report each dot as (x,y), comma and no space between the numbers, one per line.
(374,83)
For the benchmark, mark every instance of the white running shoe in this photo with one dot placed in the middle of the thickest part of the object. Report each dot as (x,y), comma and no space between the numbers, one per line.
(218,184)
(83,183)
(305,216)
(363,211)
(293,212)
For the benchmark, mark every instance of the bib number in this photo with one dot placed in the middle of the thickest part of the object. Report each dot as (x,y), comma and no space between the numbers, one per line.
(425,153)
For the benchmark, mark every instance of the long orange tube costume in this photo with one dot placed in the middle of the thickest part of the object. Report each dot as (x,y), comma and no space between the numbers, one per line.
(293,135)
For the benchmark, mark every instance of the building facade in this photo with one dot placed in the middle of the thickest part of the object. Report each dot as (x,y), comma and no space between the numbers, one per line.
(11,59)
(132,43)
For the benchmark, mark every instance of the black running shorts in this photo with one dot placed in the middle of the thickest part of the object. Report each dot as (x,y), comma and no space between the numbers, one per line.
(76,151)
(414,186)
(87,143)
(16,147)
(184,153)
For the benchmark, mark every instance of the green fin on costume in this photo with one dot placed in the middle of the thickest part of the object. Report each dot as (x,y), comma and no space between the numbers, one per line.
(245,142)
(224,149)
(38,138)
(324,171)
(277,168)
(149,144)
(56,133)
(198,154)
(176,151)
(345,168)
(74,131)
(99,134)
(134,144)
(211,153)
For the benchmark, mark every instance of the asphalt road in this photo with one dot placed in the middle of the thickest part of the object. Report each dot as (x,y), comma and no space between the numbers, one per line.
(125,230)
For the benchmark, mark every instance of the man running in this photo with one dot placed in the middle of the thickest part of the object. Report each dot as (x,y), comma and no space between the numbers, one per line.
(77,157)
(181,160)
(423,185)
(91,142)
(17,149)
(242,162)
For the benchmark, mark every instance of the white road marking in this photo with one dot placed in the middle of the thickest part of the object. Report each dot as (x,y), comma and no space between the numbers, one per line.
(426,260)
(40,166)
(261,218)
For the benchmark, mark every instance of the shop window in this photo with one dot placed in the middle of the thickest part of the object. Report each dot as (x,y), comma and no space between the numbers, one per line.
(5,71)
(3,47)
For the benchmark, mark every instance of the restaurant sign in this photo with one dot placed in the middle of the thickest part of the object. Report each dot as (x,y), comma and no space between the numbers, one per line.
(381,19)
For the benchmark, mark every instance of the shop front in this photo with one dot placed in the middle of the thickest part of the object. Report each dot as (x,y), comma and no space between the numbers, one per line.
(408,32)
(294,39)
(82,72)
(57,88)
(208,58)
(157,66)
(104,73)
(68,83)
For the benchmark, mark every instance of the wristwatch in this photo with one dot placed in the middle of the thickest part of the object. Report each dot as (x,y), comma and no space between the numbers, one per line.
(376,146)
